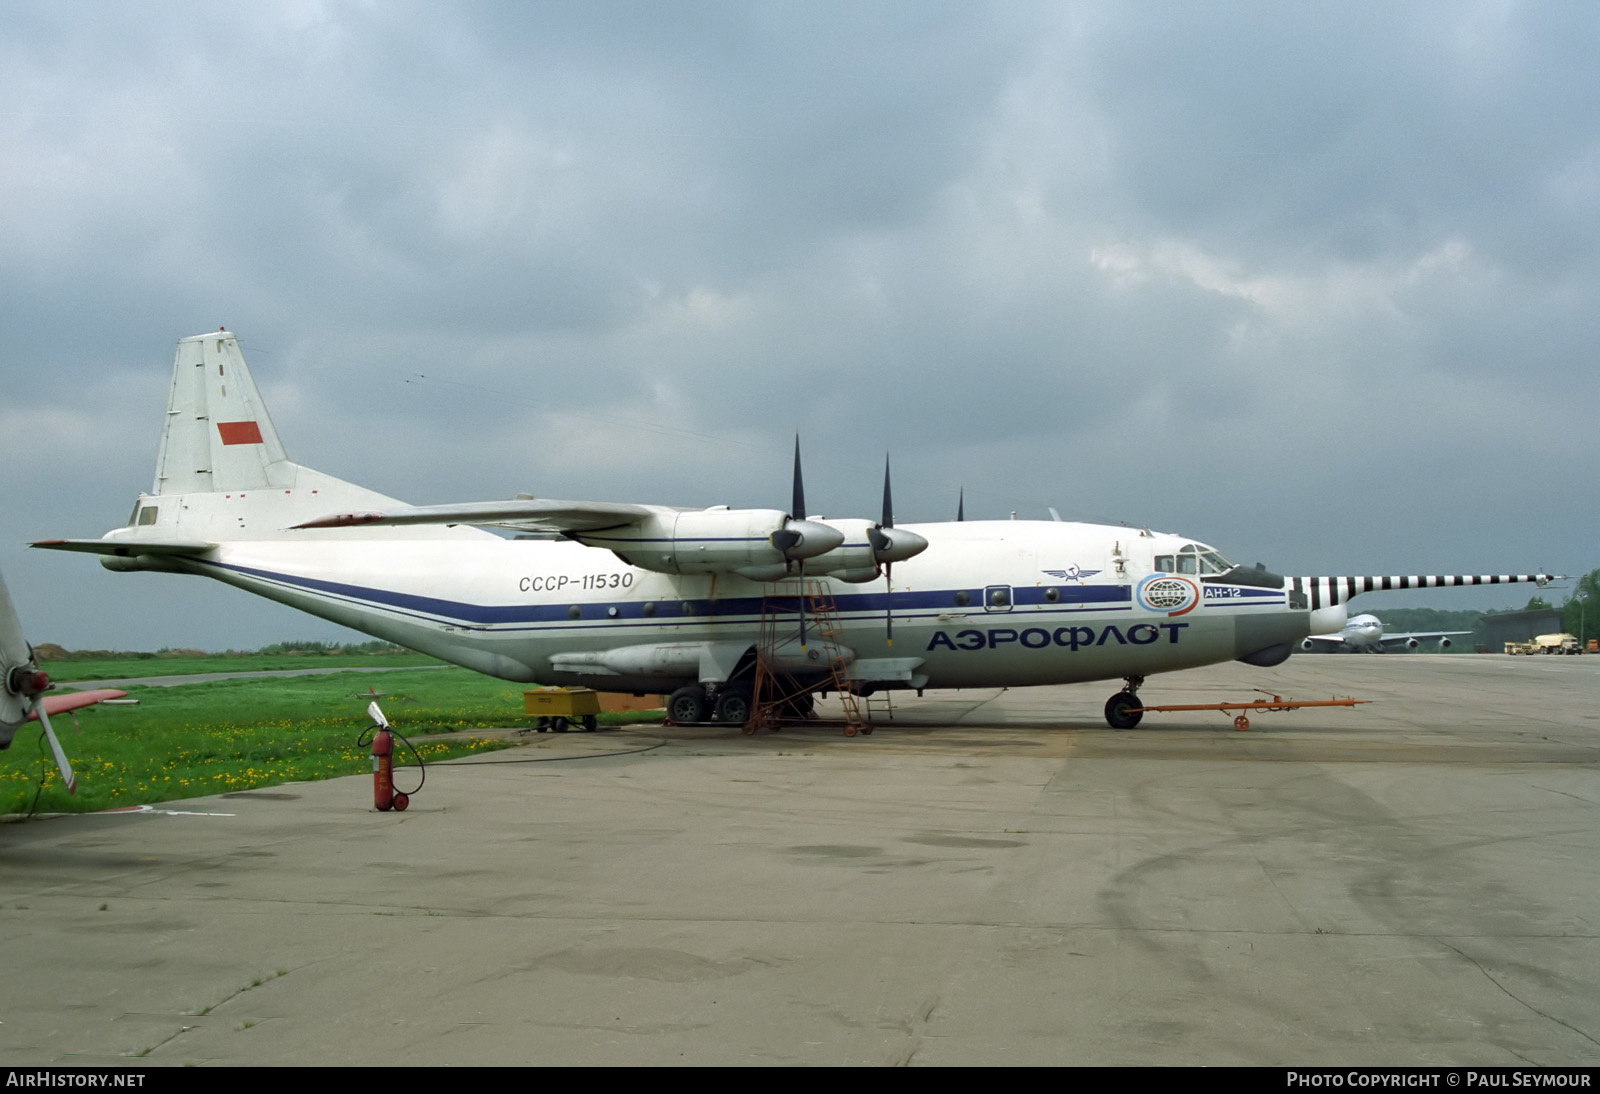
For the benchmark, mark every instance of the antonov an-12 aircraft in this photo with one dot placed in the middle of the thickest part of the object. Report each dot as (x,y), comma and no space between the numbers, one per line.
(626,597)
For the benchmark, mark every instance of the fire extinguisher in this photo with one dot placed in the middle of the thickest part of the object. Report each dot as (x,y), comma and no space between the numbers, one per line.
(384,795)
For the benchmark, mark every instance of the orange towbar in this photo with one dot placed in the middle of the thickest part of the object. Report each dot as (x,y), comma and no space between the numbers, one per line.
(1259,706)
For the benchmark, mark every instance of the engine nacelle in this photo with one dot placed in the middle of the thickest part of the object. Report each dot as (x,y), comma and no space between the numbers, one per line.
(865,547)
(758,544)
(1444,643)
(755,543)
(1307,645)
(1411,643)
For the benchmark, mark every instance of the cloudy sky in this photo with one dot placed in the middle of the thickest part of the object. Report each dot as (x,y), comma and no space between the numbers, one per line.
(1314,283)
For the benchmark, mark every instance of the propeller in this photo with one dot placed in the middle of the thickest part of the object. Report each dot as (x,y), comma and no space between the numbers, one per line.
(961,504)
(891,545)
(23,687)
(800,539)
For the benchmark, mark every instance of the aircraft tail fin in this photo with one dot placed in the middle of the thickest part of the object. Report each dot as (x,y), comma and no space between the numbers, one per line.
(222,474)
(218,435)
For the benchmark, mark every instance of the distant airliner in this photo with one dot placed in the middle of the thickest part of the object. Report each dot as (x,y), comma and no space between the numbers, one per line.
(1364,634)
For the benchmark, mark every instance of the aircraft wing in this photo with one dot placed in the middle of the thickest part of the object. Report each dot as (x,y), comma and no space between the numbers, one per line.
(72,700)
(526,515)
(1416,638)
(1324,642)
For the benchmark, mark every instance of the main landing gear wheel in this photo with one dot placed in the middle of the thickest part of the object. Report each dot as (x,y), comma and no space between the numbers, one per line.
(734,705)
(687,706)
(1122,710)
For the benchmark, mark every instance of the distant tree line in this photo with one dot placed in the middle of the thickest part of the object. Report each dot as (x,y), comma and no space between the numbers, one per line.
(49,651)
(325,648)
(1579,608)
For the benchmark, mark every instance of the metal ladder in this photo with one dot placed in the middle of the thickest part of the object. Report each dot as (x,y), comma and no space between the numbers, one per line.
(783,615)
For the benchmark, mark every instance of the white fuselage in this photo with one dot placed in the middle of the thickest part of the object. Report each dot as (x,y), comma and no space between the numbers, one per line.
(1363,632)
(989,603)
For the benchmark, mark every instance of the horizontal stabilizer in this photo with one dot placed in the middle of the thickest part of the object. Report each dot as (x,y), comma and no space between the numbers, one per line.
(125,548)
(531,515)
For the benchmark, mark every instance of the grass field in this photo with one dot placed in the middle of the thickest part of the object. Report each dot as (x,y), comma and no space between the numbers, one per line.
(211,738)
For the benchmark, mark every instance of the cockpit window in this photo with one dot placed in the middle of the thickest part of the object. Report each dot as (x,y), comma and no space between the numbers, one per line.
(1193,558)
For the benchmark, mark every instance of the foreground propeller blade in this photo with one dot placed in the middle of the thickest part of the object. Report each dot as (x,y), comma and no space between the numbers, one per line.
(67,777)
(961,504)
(14,649)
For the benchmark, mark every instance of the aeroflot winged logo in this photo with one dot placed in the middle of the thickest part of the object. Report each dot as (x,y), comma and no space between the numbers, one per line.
(1071,573)
(1168,593)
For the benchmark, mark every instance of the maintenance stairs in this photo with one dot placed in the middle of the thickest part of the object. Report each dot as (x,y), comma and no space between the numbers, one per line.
(801,630)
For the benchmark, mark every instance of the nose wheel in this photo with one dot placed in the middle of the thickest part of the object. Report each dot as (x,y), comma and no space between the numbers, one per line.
(1124,709)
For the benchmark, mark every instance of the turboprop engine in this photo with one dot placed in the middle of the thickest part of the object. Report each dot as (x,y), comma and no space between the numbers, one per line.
(865,548)
(759,544)
(755,543)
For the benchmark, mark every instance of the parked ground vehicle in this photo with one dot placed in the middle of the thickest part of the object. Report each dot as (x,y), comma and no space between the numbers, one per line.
(1548,643)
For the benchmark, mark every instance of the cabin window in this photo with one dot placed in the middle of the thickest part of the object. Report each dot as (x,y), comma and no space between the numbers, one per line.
(147,515)
(647,609)
(963,598)
(574,612)
(1052,595)
(999,597)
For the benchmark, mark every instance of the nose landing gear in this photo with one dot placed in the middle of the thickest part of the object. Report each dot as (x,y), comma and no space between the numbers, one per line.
(1123,710)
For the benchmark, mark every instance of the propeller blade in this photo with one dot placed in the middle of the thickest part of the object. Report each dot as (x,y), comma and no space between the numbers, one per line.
(888,499)
(888,566)
(888,604)
(961,504)
(14,649)
(55,746)
(798,505)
